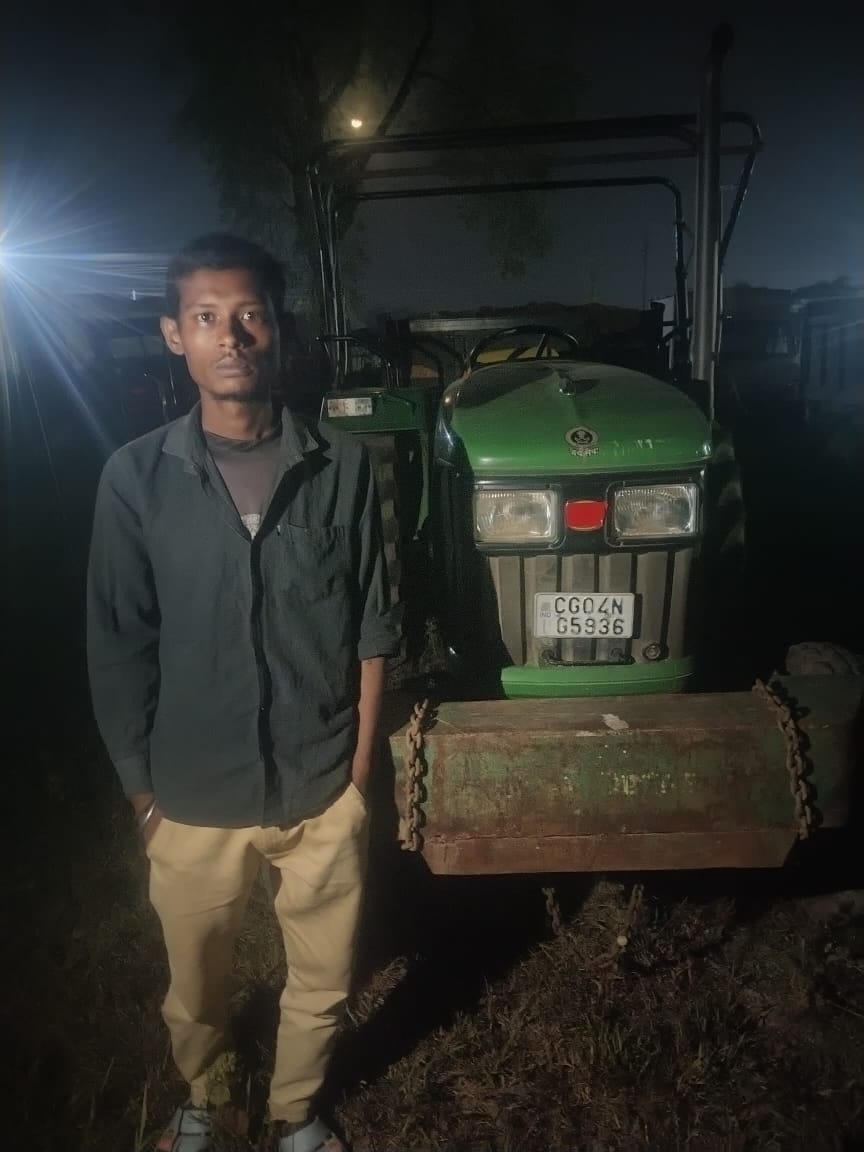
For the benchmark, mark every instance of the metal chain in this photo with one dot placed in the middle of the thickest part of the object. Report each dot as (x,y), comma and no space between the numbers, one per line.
(783,705)
(637,893)
(553,910)
(415,768)
(622,939)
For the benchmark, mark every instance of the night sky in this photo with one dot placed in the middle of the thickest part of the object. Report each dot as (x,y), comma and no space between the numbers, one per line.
(88,151)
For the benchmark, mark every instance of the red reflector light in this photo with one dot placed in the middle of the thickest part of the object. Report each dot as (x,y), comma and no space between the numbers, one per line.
(584,515)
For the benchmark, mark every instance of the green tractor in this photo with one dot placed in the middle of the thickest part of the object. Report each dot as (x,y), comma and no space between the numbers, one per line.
(558,493)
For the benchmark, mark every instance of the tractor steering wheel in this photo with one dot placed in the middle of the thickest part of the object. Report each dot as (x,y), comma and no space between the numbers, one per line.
(545,331)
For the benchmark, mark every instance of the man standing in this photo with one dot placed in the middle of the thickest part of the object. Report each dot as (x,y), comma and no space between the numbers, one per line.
(238,622)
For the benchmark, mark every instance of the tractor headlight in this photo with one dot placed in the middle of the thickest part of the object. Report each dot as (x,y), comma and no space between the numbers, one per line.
(516,516)
(656,511)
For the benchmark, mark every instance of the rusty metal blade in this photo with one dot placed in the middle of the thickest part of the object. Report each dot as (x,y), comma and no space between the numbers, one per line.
(628,783)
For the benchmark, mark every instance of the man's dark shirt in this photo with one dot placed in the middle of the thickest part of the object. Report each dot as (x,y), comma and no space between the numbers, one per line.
(224,668)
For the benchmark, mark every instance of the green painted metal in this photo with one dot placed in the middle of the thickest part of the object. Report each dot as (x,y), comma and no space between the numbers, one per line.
(622,783)
(597,680)
(513,419)
(393,410)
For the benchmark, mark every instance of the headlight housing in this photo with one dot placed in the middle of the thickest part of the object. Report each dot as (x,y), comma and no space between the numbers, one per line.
(655,511)
(516,516)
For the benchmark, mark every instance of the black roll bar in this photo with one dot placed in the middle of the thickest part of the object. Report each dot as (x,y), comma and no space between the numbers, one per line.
(333,180)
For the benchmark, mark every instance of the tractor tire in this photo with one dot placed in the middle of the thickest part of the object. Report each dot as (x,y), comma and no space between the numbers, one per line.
(382,453)
(727,656)
(726,499)
(814,658)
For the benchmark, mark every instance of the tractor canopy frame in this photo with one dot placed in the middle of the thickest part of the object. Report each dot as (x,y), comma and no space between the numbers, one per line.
(340,174)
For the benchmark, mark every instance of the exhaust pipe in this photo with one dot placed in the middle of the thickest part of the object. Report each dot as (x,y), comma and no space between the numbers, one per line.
(706,294)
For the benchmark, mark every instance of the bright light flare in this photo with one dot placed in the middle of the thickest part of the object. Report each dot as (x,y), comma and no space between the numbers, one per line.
(52,290)
(356,123)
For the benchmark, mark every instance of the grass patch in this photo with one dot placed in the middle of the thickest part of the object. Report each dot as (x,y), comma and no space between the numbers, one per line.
(710,1029)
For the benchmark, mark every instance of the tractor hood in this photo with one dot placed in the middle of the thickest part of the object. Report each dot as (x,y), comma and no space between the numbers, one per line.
(541,417)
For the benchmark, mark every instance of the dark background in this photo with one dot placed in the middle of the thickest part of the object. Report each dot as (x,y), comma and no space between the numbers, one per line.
(91,163)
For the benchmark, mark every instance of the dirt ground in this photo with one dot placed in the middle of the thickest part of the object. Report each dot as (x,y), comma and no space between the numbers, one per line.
(713,1013)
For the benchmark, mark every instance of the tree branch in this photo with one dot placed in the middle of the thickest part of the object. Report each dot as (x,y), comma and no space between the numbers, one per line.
(329,102)
(308,81)
(469,99)
(402,92)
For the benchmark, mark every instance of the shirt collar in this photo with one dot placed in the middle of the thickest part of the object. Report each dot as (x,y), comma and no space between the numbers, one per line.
(185,439)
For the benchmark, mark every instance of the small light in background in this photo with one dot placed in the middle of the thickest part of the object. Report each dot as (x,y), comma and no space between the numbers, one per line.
(356,122)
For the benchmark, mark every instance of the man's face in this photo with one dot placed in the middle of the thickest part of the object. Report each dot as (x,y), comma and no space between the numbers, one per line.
(228,333)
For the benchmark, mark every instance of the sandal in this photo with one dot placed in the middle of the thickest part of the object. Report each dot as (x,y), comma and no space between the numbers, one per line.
(315,1137)
(189,1130)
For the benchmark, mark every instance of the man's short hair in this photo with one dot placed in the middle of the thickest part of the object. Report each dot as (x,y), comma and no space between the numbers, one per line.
(218,251)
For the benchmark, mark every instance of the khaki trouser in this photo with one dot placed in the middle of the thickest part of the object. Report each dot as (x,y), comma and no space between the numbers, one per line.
(200,881)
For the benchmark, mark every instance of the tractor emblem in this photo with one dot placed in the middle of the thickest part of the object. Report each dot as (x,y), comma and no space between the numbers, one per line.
(582,441)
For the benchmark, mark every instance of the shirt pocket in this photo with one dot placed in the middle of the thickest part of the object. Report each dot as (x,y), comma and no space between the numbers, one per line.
(315,563)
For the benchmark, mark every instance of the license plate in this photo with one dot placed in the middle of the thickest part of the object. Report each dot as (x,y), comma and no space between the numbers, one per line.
(595,615)
(349,406)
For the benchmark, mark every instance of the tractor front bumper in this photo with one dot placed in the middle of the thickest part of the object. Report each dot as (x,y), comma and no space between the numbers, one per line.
(626,783)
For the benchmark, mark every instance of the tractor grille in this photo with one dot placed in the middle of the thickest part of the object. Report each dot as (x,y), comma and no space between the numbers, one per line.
(660,580)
